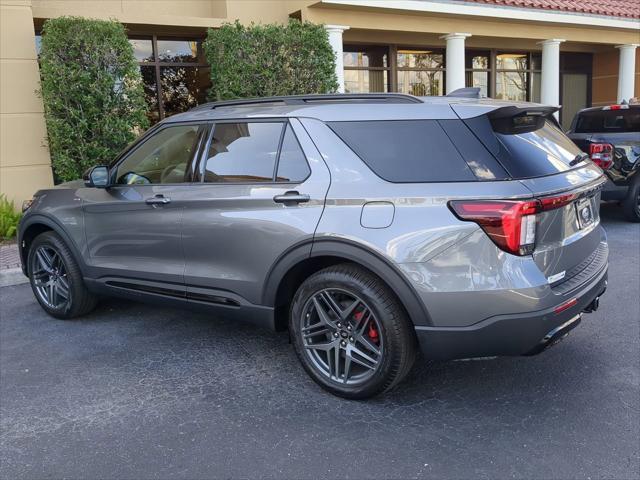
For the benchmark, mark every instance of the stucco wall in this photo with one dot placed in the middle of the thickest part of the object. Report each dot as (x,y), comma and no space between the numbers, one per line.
(24,162)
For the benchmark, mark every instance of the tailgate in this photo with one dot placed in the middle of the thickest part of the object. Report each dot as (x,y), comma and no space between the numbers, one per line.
(569,239)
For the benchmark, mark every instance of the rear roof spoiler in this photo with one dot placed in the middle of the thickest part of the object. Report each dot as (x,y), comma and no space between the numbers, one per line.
(532,111)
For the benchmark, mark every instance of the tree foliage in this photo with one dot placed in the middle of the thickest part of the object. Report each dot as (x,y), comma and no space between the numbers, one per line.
(267,60)
(92,91)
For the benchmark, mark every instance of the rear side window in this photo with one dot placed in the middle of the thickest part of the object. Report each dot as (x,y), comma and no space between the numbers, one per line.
(405,151)
(613,121)
(482,163)
(292,164)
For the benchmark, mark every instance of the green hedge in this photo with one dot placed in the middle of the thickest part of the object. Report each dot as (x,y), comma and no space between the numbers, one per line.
(92,91)
(9,218)
(266,60)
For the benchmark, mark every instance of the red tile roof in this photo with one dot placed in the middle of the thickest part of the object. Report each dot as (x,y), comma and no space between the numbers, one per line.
(612,8)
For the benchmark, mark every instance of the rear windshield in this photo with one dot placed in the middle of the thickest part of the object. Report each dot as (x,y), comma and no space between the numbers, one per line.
(412,151)
(612,121)
(526,146)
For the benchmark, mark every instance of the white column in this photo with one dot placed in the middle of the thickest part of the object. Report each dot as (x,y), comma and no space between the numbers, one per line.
(626,71)
(455,60)
(550,82)
(335,40)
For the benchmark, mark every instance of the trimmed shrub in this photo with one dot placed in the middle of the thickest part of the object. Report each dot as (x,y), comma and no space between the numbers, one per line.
(267,60)
(92,91)
(9,218)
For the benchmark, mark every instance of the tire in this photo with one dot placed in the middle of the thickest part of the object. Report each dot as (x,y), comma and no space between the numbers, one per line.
(50,263)
(631,204)
(371,319)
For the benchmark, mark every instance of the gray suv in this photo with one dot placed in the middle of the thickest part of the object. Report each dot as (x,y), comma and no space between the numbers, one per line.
(370,226)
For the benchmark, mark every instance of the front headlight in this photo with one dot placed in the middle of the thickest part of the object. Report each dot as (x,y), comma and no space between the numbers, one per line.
(27,203)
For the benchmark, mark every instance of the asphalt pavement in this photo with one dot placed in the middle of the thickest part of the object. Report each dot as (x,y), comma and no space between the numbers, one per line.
(134,391)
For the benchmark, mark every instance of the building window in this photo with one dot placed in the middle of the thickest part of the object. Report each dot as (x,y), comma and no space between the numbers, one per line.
(536,77)
(511,76)
(518,76)
(366,69)
(174,72)
(477,68)
(421,72)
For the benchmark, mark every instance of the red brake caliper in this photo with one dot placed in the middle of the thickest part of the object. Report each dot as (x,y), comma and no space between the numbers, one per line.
(372,331)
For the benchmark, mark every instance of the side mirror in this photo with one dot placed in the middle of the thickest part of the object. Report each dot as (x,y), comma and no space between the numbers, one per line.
(97,177)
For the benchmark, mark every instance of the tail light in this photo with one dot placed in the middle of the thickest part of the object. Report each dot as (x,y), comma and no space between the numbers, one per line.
(601,154)
(511,224)
(616,107)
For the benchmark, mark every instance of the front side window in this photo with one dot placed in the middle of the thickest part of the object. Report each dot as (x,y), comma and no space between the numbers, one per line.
(162,158)
(243,152)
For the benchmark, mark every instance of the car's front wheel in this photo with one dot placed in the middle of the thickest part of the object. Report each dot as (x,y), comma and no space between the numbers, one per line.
(350,332)
(56,279)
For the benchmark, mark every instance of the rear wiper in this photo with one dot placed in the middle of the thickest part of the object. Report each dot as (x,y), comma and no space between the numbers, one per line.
(581,157)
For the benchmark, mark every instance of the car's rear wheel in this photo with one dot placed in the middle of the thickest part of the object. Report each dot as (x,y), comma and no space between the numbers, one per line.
(55,278)
(350,332)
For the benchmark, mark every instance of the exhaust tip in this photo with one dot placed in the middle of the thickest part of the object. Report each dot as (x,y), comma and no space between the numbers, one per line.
(555,336)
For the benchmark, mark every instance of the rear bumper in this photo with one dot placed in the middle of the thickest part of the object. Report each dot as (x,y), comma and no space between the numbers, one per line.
(510,335)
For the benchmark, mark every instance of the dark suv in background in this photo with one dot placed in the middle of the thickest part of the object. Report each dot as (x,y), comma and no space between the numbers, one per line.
(369,226)
(611,137)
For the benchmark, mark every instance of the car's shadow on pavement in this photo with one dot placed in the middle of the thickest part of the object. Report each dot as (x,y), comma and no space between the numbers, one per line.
(483,379)
(453,383)
(135,388)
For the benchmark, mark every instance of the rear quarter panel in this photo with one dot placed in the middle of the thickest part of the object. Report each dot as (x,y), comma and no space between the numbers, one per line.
(444,258)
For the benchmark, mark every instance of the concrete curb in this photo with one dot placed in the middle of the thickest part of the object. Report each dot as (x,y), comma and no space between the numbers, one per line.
(12,276)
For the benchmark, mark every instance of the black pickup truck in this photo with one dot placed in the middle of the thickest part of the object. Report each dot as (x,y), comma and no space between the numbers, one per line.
(610,136)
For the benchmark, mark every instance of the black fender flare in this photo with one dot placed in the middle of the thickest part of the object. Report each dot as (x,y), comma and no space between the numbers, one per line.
(54,225)
(356,253)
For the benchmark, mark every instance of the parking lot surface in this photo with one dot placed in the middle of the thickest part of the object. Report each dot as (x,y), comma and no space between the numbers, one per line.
(135,391)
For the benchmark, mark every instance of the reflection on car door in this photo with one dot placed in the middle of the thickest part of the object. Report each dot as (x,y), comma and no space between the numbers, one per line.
(263,191)
(133,227)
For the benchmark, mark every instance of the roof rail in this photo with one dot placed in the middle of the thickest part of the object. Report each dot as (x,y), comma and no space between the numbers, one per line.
(315,98)
(468,92)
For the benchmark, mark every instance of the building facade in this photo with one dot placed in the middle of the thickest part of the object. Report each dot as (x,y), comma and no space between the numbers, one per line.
(558,52)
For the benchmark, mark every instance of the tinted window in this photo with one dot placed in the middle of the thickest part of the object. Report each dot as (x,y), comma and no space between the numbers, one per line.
(405,151)
(482,163)
(162,158)
(243,152)
(292,165)
(622,121)
(533,152)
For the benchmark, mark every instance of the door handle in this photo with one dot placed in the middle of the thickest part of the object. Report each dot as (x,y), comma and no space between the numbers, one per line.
(292,197)
(158,200)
